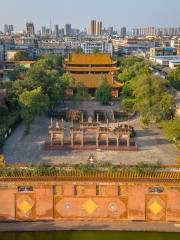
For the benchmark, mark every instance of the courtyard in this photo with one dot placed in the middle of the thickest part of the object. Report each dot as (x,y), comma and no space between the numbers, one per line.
(153,145)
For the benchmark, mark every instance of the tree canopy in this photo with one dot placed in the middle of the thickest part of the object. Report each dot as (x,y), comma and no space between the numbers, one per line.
(172,130)
(145,92)
(46,74)
(96,50)
(153,101)
(22,55)
(174,78)
(33,103)
(104,92)
(16,73)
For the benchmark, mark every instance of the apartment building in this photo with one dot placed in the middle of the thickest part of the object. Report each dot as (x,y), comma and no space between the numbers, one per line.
(163,51)
(102,46)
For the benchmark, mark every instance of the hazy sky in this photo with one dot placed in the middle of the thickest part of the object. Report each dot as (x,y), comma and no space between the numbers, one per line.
(118,13)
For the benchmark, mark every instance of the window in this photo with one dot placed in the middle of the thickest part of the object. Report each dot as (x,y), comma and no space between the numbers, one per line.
(119,190)
(25,189)
(97,190)
(79,190)
(156,189)
(58,190)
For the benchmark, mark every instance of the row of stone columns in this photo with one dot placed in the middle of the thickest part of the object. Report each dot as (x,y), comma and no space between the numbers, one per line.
(97,139)
(81,135)
(60,136)
(127,139)
(57,132)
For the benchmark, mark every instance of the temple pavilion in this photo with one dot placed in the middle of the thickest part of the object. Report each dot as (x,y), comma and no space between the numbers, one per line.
(88,69)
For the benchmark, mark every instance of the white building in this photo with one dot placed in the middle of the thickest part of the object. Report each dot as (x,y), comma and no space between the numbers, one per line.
(102,46)
(174,64)
(167,61)
(175,42)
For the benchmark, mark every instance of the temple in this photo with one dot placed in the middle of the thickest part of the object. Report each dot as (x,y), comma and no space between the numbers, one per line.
(88,69)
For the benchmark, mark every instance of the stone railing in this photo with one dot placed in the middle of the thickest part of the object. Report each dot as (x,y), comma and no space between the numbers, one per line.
(74,175)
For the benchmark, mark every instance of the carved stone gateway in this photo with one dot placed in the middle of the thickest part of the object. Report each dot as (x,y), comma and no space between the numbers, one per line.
(89,135)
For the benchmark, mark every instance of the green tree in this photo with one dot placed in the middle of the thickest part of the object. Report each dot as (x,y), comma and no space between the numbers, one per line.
(127,90)
(145,120)
(54,61)
(46,73)
(153,101)
(172,130)
(3,111)
(124,76)
(104,92)
(63,83)
(164,109)
(134,69)
(129,61)
(82,92)
(79,50)
(15,73)
(128,104)
(21,55)
(96,50)
(174,78)
(33,103)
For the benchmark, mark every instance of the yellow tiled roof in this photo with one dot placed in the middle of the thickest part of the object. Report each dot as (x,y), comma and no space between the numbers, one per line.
(97,58)
(91,69)
(94,80)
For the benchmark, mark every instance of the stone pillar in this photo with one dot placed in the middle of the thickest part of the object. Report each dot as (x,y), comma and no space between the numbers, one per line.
(107,123)
(128,141)
(97,139)
(97,117)
(113,116)
(51,123)
(117,141)
(82,138)
(107,140)
(72,139)
(51,138)
(62,139)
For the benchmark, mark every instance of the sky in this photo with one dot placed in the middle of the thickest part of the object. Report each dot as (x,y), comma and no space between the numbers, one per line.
(117,13)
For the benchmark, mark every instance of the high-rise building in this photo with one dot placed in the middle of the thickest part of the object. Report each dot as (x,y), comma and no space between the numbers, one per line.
(6,28)
(30,28)
(98,28)
(56,31)
(152,31)
(61,32)
(92,27)
(67,29)
(49,32)
(11,28)
(123,31)
(43,31)
(110,30)
(39,32)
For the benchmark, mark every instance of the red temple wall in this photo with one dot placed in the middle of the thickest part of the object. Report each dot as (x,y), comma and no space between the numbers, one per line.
(89,201)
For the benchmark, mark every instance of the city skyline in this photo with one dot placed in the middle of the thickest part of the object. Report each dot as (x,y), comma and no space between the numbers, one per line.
(115,13)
